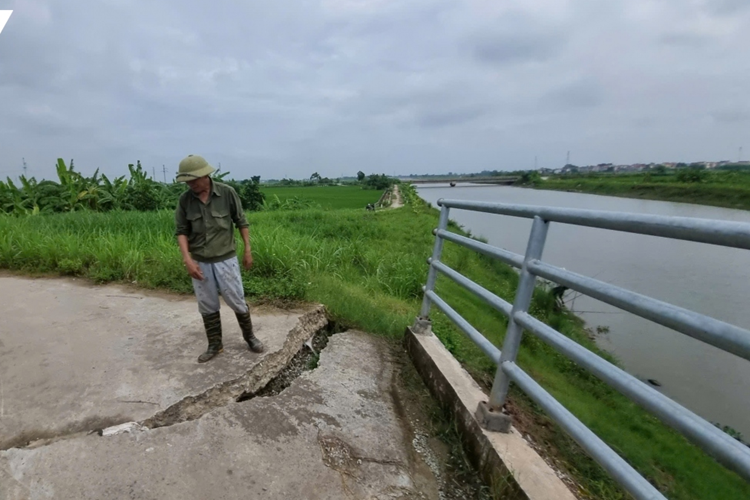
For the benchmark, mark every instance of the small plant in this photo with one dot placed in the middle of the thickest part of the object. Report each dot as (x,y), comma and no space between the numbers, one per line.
(731,432)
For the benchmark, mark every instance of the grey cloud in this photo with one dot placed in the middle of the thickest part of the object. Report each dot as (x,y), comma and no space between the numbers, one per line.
(508,48)
(276,87)
(583,93)
(726,7)
(732,115)
(448,117)
(691,40)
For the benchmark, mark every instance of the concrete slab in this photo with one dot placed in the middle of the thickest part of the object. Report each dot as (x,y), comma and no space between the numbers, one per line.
(76,357)
(335,433)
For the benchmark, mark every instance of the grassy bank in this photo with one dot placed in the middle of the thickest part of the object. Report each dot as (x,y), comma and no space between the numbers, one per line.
(720,189)
(368,269)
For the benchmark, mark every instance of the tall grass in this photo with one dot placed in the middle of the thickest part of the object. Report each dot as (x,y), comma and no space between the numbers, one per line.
(368,269)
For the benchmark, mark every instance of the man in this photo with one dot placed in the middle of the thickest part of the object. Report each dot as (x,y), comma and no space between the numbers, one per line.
(204,218)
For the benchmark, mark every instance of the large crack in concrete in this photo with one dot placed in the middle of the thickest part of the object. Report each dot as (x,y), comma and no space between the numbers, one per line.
(304,360)
(274,372)
(193,407)
(44,438)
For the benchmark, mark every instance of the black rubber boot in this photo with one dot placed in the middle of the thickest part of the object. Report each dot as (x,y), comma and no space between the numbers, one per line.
(246,325)
(212,322)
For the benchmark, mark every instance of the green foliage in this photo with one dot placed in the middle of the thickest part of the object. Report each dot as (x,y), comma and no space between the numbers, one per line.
(360,176)
(379,182)
(74,192)
(530,177)
(731,432)
(249,192)
(409,196)
(691,175)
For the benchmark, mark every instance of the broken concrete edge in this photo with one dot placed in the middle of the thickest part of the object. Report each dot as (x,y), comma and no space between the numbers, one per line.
(505,461)
(129,427)
(314,320)
(272,363)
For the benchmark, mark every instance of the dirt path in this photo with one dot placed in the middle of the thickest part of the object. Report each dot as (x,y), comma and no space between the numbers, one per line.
(396,202)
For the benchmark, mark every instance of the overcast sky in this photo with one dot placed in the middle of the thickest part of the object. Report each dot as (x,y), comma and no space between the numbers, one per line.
(285,88)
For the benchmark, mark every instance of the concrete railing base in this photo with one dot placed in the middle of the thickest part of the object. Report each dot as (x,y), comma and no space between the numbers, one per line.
(506,462)
(491,420)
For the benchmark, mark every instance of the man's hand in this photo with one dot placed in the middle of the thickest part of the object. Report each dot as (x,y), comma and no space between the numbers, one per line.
(247,260)
(194,270)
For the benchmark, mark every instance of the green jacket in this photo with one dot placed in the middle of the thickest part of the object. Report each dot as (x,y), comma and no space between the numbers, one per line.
(209,226)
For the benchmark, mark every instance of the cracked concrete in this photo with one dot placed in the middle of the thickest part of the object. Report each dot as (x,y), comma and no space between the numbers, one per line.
(306,442)
(78,358)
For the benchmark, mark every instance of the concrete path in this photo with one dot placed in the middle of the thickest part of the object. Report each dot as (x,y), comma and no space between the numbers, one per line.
(396,201)
(75,359)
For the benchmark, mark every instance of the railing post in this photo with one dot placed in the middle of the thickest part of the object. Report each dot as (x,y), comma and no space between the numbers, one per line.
(423,324)
(493,411)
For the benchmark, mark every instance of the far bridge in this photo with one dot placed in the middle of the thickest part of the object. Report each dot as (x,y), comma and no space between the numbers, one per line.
(505,181)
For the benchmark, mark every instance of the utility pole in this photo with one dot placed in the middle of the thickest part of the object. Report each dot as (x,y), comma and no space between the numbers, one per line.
(153,173)
(164,169)
(24,166)
(567,159)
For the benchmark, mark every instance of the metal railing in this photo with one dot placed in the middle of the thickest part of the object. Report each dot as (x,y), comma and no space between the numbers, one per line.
(727,450)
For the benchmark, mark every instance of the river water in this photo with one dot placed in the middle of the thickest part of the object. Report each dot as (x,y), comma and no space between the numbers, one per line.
(709,279)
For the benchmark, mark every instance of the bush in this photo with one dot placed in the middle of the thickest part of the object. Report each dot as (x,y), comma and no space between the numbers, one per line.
(378,182)
(249,192)
(691,175)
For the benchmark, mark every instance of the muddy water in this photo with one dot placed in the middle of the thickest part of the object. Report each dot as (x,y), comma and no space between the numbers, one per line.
(705,278)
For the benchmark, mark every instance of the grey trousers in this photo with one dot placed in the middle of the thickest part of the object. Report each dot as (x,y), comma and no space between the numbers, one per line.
(220,278)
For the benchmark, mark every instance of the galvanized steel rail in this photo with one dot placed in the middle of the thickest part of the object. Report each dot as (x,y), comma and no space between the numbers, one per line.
(730,452)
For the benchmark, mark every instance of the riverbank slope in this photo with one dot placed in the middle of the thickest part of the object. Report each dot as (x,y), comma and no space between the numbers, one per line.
(719,189)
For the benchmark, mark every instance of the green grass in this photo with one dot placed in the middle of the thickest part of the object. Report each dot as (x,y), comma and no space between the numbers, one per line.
(368,269)
(720,189)
(330,197)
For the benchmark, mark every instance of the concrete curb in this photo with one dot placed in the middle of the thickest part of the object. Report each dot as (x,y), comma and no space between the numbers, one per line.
(506,462)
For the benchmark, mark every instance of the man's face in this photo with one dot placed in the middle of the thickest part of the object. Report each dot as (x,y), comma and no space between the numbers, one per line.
(199,185)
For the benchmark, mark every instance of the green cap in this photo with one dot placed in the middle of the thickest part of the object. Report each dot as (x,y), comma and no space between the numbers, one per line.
(194,167)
